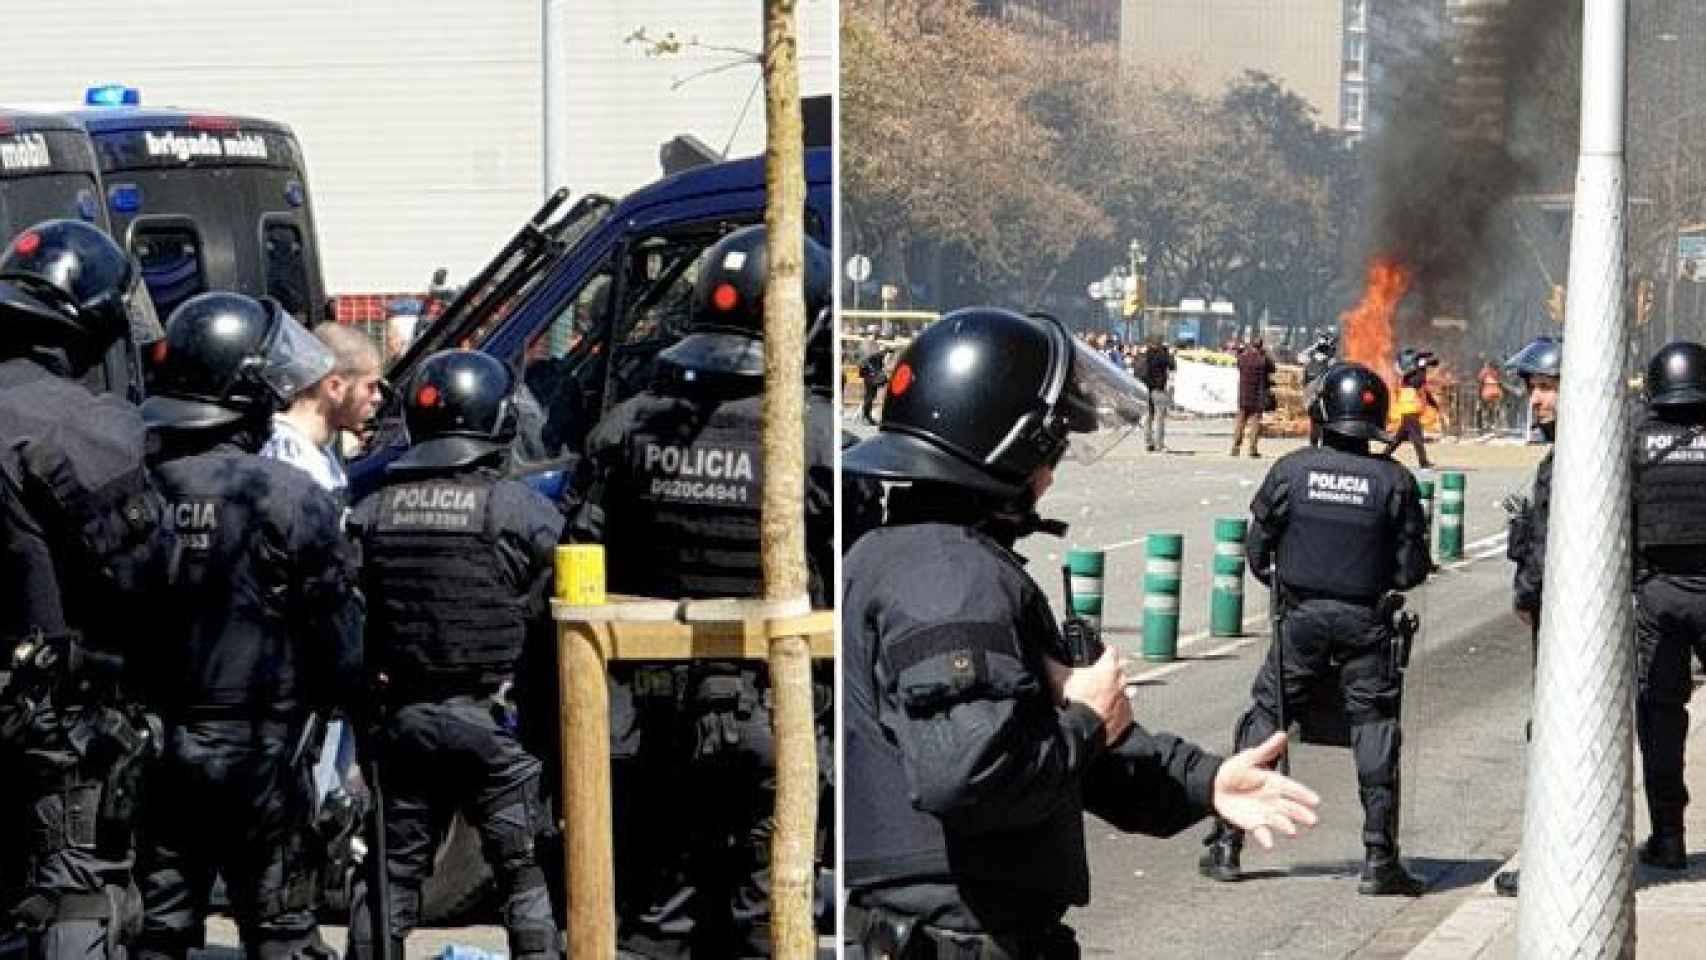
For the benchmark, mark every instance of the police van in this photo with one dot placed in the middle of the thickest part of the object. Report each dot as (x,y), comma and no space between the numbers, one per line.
(48,171)
(206,201)
(583,299)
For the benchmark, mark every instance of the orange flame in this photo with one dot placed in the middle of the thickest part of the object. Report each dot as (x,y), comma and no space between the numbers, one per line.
(1368,333)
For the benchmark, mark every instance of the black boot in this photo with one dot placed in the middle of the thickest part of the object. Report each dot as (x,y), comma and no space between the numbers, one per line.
(1220,860)
(1507,883)
(1384,876)
(1664,849)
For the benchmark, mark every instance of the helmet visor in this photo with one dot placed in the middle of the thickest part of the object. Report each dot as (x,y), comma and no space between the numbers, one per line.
(1102,403)
(145,326)
(295,359)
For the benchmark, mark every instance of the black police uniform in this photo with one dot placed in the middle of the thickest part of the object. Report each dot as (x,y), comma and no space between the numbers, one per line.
(457,569)
(263,620)
(79,531)
(965,781)
(673,482)
(79,523)
(1527,547)
(1670,601)
(1345,528)
(965,785)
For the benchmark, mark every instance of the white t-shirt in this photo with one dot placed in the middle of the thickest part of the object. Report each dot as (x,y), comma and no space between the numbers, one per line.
(289,445)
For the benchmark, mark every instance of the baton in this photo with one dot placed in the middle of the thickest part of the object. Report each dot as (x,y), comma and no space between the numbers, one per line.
(1276,621)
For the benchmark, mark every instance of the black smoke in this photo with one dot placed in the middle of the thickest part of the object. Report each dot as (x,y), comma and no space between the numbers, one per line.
(1462,119)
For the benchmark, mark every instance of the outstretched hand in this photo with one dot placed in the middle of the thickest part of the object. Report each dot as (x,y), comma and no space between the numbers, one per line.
(1251,796)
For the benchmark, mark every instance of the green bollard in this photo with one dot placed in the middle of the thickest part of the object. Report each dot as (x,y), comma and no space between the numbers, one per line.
(1163,559)
(1086,567)
(1427,487)
(1226,600)
(1451,515)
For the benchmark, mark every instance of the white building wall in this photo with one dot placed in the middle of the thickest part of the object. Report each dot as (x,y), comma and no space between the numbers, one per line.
(420,119)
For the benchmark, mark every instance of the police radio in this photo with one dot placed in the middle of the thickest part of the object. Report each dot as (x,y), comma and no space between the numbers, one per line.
(1083,641)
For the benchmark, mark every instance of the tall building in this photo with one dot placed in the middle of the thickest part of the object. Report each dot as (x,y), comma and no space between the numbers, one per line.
(1318,48)
(1091,21)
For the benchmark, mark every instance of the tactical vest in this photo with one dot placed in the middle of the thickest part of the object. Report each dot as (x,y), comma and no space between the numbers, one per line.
(1670,485)
(1338,541)
(442,611)
(684,519)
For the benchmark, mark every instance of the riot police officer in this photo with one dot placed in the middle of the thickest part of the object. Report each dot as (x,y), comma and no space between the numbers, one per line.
(972,749)
(1670,583)
(79,529)
(1317,360)
(1539,364)
(1338,527)
(257,639)
(457,568)
(671,484)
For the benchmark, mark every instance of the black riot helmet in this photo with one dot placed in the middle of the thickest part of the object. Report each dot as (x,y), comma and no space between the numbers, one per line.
(73,286)
(726,332)
(985,396)
(457,409)
(1542,356)
(229,357)
(1676,377)
(1352,401)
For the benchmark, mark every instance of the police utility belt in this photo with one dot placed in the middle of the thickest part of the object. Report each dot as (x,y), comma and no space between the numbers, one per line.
(887,935)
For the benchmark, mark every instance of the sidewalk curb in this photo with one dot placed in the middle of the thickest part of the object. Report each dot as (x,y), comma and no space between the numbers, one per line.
(1476,923)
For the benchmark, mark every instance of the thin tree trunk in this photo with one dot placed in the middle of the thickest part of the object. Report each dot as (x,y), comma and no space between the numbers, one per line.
(783,417)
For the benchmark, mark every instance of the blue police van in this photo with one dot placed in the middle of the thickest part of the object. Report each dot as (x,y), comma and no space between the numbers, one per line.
(583,299)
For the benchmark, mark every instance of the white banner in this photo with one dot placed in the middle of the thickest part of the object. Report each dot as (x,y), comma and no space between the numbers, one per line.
(1205,388)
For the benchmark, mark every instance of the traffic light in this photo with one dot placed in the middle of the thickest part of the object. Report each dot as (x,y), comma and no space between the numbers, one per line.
(1134,297)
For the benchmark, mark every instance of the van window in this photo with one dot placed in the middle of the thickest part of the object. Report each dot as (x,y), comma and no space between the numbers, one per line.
(171,263)
(286,259)
(661,274)
(657,305)
(563,367)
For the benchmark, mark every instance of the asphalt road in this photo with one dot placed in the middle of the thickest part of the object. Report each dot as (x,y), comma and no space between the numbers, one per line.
(1465,705)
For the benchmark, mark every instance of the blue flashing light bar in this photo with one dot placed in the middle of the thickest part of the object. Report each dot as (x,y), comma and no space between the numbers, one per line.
(112,95)
(124,197)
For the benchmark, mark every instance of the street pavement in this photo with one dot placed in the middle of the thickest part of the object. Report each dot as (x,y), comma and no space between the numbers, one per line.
(1465,704)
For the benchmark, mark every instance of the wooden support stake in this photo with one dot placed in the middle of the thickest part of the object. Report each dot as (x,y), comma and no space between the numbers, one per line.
(581,666)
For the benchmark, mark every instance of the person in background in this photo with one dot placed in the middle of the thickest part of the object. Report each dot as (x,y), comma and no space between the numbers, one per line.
(1255,367)
(1158,367)
(1490,394)
(1413,397)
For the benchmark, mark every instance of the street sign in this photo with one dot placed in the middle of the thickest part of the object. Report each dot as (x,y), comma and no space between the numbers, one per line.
(858,268)
(1691,257)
